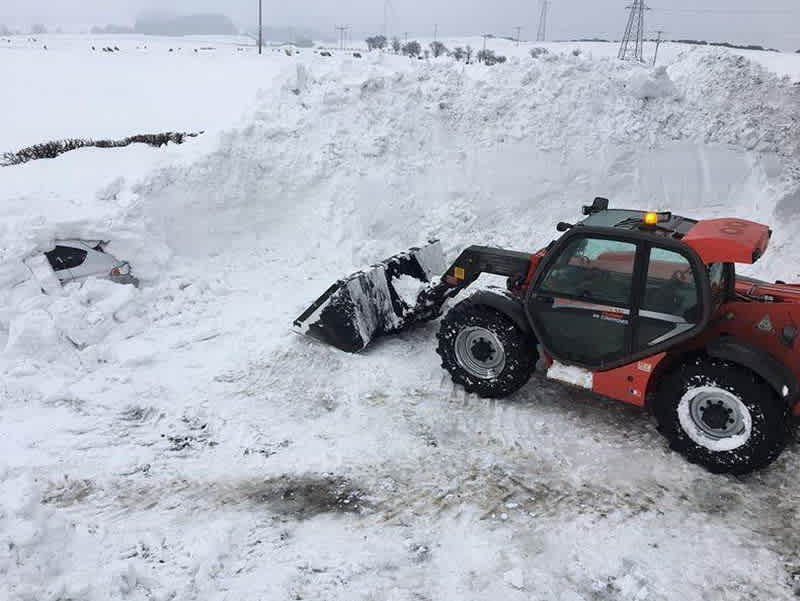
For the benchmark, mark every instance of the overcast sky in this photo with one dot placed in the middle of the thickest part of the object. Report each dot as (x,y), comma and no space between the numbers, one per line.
(772,22)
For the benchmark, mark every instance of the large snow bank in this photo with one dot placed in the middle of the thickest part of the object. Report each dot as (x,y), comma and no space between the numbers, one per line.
(384,157)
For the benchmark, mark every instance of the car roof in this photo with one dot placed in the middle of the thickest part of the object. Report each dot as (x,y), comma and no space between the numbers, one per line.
(88,244)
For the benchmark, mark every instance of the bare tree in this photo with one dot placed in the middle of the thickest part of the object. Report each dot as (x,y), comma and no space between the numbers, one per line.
(488,57)
(459,53)
(376,42)
(396,46)
(468,54)
(438,49)
(412,48)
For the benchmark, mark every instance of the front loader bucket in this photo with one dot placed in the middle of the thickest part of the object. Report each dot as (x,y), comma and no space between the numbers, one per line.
(376,301)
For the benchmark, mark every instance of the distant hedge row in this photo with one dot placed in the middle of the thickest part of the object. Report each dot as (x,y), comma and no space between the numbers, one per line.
(728,45)
(50,150)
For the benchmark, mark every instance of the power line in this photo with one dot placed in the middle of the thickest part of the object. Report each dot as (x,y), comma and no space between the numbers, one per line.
(541,34)
(632,46)
(728,11)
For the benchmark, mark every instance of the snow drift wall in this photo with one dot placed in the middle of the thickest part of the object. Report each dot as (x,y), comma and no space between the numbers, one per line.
(368,160)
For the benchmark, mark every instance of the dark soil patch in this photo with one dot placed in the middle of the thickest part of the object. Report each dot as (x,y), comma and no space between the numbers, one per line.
(303,497)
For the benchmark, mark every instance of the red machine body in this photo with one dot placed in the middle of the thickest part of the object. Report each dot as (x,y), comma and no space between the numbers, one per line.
(764,314)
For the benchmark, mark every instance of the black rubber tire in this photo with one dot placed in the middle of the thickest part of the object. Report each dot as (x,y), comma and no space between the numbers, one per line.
(520,349)
(769,413)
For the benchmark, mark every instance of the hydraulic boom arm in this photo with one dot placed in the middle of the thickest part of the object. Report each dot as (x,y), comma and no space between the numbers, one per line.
(371,303)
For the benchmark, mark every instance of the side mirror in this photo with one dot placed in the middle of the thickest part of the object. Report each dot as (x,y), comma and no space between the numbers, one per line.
(563,226)
(599,204)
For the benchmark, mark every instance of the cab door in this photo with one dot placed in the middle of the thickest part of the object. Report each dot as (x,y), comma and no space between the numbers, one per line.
(671,301)
(600,301)
(581,304)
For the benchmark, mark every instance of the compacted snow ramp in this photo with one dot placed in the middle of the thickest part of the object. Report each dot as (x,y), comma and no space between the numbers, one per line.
(379,300)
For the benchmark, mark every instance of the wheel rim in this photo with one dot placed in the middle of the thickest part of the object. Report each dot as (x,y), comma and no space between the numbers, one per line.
(480,353)
(715,418)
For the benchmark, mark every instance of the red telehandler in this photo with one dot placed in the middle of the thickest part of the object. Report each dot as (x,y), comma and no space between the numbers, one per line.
(641,307)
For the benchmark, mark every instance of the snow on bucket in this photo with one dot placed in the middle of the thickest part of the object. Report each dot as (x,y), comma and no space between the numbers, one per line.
(376,301)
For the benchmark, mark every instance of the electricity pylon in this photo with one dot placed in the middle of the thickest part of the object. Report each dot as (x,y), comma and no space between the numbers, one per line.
(541,34)
(342,29)
(632,46)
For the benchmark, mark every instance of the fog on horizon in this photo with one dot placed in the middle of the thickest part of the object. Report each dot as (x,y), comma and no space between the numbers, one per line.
(771,23)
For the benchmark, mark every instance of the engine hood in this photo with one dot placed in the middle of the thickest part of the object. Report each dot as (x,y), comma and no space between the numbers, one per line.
(728,240)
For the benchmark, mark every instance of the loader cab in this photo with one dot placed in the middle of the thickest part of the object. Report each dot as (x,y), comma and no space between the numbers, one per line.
(610,291)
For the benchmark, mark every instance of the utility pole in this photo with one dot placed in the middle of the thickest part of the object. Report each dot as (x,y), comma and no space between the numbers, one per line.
(483,53)
(632,47)
(405,35)
(541,34)
(342,29)
(518,29)
(658,43)
(260,28)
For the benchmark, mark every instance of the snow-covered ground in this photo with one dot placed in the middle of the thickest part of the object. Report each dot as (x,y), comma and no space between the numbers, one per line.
(178,442)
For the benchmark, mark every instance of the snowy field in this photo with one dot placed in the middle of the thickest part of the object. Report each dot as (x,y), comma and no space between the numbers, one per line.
(177,442)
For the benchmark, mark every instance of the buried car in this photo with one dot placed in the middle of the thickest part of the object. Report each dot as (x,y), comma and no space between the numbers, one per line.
(77,260)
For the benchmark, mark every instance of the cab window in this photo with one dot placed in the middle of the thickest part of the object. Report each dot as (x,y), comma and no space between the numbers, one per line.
(671,303)
(593,269)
